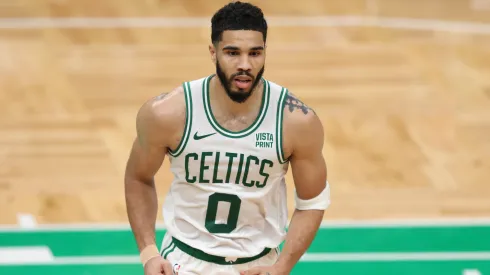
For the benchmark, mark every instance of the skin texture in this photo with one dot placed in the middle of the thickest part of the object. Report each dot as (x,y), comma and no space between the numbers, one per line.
(239,52)
(160,125)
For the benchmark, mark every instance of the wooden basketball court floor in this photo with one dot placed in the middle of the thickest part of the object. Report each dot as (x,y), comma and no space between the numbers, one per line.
(405,99)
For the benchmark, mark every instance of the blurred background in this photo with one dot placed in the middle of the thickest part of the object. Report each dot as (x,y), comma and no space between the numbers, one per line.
(402,88)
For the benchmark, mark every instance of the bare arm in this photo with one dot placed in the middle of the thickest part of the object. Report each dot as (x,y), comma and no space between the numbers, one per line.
(146,157)
(310,175)
(156,127)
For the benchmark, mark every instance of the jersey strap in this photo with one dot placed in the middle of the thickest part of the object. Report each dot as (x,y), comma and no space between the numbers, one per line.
(188,122)
(279,122)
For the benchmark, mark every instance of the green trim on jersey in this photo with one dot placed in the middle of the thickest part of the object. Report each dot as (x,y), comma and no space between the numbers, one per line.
(243,133)
(279,121)
(188,121)
(201,255)
(164,250)
(165,255)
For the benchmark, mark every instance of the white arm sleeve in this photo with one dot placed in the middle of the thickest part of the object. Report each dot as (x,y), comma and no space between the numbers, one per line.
(320,202)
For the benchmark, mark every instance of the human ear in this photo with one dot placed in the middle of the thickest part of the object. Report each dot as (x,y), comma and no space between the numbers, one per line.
(212,52)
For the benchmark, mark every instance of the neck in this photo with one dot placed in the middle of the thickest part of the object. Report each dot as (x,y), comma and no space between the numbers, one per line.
(218,94)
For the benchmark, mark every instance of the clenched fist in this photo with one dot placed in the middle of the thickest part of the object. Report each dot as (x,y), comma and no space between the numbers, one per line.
(158,266)
(264,270)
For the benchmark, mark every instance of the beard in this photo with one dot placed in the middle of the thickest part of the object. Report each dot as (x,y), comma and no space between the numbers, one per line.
(240,95)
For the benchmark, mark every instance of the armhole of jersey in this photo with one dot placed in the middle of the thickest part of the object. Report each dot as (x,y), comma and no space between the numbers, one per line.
(279,124)
(188,121)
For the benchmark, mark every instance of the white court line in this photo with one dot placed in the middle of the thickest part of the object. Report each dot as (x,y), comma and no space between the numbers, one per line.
(309,257)
(26,220)
(408,222)
(275,21)
(346,224)
(22,254)
(375,257)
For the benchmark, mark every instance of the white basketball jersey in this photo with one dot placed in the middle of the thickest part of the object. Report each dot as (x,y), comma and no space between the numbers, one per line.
(228,196)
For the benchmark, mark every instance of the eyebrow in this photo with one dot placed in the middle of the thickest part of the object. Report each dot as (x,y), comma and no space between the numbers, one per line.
(234,48)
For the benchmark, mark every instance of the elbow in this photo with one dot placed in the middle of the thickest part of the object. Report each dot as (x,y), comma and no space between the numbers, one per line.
(132,179)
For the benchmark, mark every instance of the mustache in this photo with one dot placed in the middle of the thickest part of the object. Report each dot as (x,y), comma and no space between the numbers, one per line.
(242,73)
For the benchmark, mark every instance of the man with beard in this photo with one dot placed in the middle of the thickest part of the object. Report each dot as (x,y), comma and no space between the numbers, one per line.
(230,138)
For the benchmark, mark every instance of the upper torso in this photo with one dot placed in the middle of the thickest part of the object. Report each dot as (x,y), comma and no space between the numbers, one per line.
(228,196)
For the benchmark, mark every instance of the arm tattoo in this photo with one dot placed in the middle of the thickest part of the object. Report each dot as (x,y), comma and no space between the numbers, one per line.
(160,96)
(293,103)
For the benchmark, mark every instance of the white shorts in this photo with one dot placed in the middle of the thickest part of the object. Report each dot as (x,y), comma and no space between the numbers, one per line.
(185,264)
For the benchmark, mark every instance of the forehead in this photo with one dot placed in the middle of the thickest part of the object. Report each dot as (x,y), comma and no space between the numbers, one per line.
(242,38)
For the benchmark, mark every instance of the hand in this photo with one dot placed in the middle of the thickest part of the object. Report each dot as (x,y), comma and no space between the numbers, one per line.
(264,270)
(158,266)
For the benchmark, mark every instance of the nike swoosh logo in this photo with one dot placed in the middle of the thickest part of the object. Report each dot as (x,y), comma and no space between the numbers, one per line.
(197,137)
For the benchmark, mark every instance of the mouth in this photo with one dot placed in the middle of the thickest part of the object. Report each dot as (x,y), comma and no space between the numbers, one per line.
(243,82)
(243,78)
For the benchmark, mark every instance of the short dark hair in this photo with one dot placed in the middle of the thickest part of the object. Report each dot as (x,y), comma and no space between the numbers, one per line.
(237,15)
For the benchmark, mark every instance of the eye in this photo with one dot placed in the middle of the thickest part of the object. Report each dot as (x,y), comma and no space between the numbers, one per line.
(232,53)
(255,53)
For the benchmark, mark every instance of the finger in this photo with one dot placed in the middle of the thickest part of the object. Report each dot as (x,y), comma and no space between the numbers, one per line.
(167,267)
(253,271)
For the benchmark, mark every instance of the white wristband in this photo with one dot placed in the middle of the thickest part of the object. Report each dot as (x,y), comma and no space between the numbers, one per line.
(320,202)
(149,252)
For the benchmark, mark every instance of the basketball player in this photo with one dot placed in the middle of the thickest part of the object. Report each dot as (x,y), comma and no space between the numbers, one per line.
(230,138)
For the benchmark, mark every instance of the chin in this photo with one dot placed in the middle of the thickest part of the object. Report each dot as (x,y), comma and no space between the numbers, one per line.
(239,96)
(239,91)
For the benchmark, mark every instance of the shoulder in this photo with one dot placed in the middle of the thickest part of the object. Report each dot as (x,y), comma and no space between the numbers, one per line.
(297,113)
(164,106)
(161,115)
(301,125)
(296,107)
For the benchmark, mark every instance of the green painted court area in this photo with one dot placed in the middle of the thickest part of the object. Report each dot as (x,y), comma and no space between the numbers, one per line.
(352,249)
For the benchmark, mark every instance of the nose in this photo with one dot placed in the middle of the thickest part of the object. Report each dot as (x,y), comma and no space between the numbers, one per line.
(244,63)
